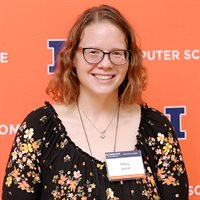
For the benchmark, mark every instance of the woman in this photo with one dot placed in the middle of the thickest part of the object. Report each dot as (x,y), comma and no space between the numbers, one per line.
(59,150)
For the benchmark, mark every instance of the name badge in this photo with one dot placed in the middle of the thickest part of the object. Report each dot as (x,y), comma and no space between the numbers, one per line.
(124,165)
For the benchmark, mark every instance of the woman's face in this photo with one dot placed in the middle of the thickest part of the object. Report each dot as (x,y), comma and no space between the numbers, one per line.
(103,77)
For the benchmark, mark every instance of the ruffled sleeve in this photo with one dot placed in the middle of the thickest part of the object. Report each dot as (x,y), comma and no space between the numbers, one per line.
(28,155)
(158,139)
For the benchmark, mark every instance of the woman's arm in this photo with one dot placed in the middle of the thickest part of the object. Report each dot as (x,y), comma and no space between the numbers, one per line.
(22,179)
(170,172)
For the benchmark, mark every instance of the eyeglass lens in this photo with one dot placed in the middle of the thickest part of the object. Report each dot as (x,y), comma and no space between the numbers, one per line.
(118,57)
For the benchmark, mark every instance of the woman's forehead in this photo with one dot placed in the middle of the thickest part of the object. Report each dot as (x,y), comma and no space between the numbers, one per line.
(103,33)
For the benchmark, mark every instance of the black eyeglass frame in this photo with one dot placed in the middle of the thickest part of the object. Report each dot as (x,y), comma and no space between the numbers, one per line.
(108,53)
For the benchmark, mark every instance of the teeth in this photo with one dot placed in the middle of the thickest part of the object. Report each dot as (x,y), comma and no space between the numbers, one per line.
(103,77)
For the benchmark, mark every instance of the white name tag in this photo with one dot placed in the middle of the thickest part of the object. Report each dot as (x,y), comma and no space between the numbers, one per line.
(124,165)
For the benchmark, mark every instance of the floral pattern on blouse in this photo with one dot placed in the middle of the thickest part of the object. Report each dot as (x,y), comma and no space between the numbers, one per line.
(45,164)
(25,156)
(69,184)
(167,153)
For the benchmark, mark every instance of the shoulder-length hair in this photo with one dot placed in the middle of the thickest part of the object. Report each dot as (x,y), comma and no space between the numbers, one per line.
(64,85)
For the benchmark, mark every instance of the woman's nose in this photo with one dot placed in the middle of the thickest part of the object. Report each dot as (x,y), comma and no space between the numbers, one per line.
(106,62)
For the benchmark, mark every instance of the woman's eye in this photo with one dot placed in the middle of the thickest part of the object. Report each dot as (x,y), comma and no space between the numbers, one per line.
(94,52)
(117,53)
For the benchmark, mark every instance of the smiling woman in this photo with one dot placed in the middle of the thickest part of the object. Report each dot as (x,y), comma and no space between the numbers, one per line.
(68,86)
(102,76)
(59,149)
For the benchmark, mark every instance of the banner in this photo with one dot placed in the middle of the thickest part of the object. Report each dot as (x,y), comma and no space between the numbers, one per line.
(167,31)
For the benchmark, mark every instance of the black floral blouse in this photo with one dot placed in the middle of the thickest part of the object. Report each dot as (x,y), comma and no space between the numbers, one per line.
(45,163)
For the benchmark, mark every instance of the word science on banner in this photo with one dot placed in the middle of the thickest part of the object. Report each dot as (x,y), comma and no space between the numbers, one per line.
(170,55)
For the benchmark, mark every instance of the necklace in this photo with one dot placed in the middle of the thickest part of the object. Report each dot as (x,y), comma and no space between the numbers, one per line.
(86,136)
(102,133)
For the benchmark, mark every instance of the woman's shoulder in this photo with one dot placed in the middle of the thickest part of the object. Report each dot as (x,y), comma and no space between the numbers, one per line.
(40,119)
(41,113)
(152,114)
(154,121)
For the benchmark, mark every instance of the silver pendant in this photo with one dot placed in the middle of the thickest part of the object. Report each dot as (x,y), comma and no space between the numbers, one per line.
(102,136)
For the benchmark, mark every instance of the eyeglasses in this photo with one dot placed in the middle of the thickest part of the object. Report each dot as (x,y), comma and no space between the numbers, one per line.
(95,56)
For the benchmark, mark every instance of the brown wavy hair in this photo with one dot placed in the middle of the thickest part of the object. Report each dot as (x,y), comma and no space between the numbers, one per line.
(64,85)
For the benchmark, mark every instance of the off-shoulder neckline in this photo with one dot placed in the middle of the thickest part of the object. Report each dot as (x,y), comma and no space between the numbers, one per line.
(80,150)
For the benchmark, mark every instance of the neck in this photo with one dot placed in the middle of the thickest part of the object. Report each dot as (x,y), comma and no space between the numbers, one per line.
(98,105)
